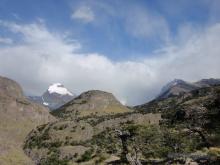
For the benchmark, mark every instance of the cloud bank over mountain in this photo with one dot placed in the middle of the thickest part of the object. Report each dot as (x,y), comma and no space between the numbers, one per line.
(39,57)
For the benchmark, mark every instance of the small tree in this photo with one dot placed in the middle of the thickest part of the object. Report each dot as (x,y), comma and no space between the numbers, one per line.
(125,155)
(124,136)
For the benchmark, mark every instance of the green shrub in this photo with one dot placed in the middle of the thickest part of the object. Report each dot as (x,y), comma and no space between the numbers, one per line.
(62,127)
(53,159)
(100,159)
(86,156)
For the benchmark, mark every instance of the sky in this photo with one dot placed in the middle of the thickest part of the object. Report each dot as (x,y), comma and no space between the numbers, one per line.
(130,48)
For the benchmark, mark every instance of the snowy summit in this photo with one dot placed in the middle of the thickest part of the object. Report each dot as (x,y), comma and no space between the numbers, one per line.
(59,89)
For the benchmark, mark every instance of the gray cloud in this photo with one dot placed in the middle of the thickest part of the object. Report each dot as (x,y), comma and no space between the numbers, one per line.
(43,57)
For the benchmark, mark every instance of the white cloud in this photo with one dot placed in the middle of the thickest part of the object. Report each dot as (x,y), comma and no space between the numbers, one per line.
(44,57)
(136,20)
(6,40)
(83,13)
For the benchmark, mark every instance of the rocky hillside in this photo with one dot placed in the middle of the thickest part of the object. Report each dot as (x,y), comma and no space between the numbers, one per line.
(177,87)
(73,138)
(54,97)
(196,112)
(199,107)
(89,103)
(90,140)
(182,129)
(18,116)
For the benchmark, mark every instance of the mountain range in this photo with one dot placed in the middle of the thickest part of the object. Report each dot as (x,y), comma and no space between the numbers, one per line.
(180,126)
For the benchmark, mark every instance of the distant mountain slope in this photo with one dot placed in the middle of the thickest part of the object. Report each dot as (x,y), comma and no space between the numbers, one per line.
(196,99)
(18,116)
(92,102)
(54,97)
(207,82)
(177,87)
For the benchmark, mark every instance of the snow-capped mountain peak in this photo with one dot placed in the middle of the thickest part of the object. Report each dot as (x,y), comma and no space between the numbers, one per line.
(59,89)
(55,96)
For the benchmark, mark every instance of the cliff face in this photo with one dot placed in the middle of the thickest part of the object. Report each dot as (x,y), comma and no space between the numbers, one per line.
(18,116)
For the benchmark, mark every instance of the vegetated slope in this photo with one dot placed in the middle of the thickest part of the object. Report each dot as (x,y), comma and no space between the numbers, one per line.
(18,117)
(200,108)
(54,97)
(89,103)
(90,140)
(187,133)
(196,112)
(72,139)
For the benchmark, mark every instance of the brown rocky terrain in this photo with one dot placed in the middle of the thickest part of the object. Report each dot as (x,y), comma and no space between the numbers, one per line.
(18,117)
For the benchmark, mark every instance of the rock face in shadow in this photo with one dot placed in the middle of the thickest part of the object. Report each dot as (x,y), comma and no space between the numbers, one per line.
(18,117)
